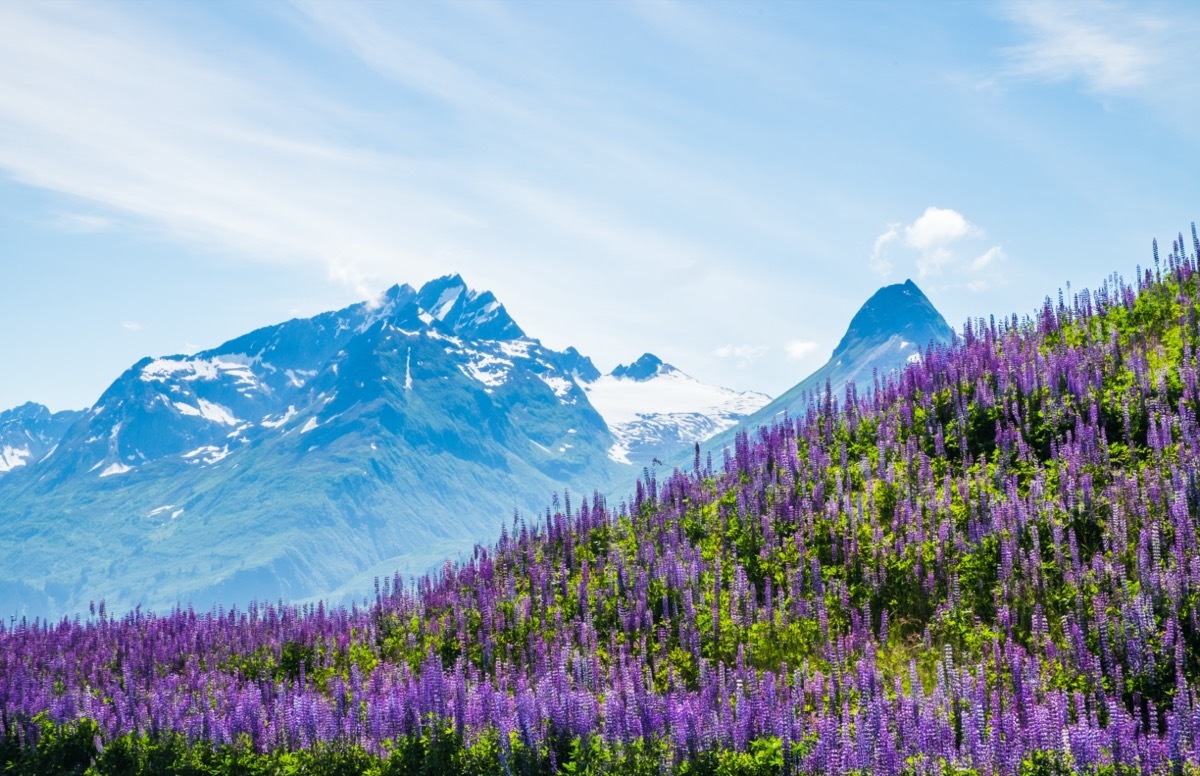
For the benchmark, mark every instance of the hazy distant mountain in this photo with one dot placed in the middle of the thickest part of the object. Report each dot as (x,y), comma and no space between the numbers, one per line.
(890,330)
(301,459)
(654,409)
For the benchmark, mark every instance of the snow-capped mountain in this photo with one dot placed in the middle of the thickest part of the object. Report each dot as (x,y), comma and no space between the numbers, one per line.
(29,432)
(654,409)
(296,459)
(303,374)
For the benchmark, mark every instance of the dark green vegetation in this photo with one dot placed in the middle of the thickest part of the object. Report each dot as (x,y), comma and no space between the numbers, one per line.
(74,749)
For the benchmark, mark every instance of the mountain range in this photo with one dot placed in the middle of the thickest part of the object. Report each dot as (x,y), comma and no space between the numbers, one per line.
(302,459)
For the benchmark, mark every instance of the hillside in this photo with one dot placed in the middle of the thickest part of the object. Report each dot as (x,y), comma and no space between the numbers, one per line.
(989,564)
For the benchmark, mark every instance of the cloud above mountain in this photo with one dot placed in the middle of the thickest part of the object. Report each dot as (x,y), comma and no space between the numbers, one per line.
(937,245)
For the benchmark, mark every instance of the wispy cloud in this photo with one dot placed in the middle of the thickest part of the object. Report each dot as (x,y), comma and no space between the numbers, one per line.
(254,154)
(137,121)
(1107,47)
(131,326)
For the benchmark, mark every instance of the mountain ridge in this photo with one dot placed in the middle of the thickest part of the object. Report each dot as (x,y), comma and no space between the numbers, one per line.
(234,471)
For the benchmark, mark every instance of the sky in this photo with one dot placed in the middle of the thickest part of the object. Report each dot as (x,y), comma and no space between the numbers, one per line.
(721,184)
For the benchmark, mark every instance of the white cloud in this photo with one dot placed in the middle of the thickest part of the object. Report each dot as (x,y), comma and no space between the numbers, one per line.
(936,228)
(937,243)
(131,326)
(1107,46)
(929,241)
(797,349)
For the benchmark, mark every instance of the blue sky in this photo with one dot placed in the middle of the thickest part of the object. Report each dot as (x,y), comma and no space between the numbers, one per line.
(722,184)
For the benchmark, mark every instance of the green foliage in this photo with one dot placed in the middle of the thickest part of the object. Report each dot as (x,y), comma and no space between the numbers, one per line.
(74,749)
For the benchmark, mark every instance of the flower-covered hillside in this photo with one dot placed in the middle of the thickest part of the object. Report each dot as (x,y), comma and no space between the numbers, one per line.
(987,563)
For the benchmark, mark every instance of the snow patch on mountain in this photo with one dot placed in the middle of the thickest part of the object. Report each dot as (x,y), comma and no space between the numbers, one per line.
(445,302)
(623,400)
(207,454)
(12,457)
(560,385)
(291,413)
(297,377)
(515,348)
(652,408)
(209,411)
(619,452)
(235,365)
(485,368)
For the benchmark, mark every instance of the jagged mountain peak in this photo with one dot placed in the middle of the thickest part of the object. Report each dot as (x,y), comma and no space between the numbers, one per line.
(398,431)
(399,293)
(579,365)
(438,296)
(28,410)
(646,367)
(899,309)
(464,311)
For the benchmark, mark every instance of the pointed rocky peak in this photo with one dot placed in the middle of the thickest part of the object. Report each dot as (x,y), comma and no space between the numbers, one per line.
(444,297)
(409,317)
(483,317)
(899,309)
(465,312)
(579,365)
(399,294)
(397,306)
(646,367)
